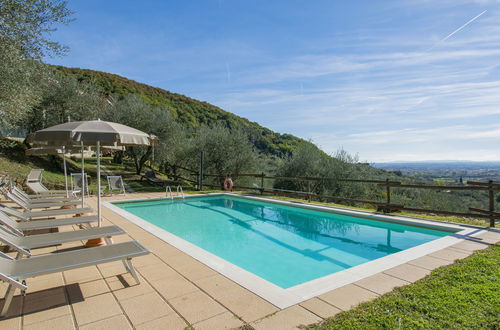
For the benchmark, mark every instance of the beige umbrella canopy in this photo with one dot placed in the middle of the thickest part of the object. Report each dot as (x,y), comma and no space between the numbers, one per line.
(93,132)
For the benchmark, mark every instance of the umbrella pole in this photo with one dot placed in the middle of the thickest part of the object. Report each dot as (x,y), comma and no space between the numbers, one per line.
(97,241)
(65,172)
(83,179)
(99,183)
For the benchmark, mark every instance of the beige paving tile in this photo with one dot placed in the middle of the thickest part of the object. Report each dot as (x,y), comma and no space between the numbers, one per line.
(429,262)
(11,323)
(117,322)
(291,318)
(450,254)
(380,283)
(80,275)
(222,321)
(471,245)
(141,309)
(125,287)
(45,305)
(79,291)
(61,322)
(490,236)
(217,284)
(237,299)
(45,282)
(146,260)
(189,267)
(247,305)
(408,272)
(156,271)
(96,308)
(171,322)
(320,308)
(15,308)
(166,252)
(347,296)
(196,306)
(41,251)
(174,286)
(112,269)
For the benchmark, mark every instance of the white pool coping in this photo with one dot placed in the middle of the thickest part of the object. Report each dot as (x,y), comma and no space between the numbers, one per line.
(283,298)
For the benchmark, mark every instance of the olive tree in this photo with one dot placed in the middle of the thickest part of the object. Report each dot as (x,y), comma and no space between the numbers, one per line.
(64,98)
(25,28)
(29,23)
(134,112)
(226,151)
(17,91)
(309,161)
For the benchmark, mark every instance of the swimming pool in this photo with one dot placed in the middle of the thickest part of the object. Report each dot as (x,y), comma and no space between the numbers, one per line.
(278,245)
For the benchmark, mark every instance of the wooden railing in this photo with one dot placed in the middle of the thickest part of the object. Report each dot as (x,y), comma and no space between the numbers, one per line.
(386,206)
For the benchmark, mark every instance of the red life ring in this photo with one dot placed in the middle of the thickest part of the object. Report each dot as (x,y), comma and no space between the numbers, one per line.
(228,184)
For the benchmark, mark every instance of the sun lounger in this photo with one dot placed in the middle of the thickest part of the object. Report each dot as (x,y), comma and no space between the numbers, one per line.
(39,188)
(22,243)
(31,206)
(34,182)
(27,216)
(39,198)
(115,182)
(77,184)
(19,228)
(14,271)
(150,175)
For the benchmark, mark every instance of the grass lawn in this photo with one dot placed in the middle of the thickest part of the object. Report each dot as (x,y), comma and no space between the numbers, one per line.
(464,295)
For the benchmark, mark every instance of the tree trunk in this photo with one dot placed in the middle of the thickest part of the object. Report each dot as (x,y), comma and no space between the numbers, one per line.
(139,164)
(118,157)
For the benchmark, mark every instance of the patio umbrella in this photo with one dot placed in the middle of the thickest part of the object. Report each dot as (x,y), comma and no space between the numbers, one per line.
(93,133)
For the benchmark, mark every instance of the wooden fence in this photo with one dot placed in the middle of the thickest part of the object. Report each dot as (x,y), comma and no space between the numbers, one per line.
(386,206)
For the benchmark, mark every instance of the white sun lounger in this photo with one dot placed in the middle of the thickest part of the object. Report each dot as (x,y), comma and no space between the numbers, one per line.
(20,227)
(27,216)
(31,206)
(34,182)
(79,186)
(14,271)
(39,198)
(25,243)
(115,182)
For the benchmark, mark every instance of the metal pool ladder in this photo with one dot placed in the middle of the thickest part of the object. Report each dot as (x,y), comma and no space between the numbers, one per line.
(180,191)
(168,192)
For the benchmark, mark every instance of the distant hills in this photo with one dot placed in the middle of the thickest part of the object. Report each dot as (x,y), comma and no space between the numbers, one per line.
(188,111)
(447,168)
(449,164)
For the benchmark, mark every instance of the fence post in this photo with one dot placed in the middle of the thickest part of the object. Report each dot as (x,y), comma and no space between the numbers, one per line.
(388,191)
(200,172)
(492,203)
(309,191)
(262,183)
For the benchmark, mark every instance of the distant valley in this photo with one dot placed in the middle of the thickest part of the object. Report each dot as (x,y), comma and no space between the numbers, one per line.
(446,170)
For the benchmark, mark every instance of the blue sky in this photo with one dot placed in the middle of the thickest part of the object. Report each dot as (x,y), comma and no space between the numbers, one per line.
(387,80)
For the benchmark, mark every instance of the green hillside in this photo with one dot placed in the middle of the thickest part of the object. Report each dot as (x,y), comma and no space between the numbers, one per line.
(186,110)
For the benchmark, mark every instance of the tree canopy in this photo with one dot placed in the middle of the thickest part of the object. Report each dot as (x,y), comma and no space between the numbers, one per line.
(25,28)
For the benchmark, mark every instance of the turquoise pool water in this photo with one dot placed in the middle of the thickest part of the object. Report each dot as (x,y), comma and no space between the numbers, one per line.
(284,245)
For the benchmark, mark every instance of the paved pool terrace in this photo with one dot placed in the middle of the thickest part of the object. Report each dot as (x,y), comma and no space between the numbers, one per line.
(178,291)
